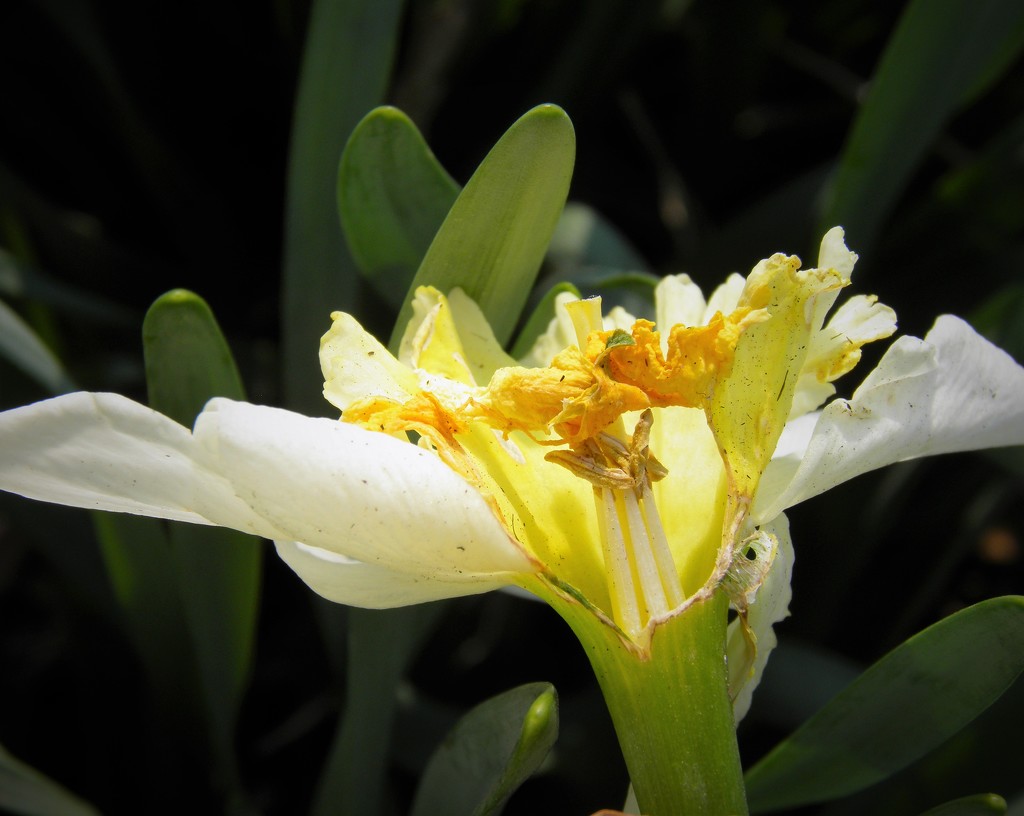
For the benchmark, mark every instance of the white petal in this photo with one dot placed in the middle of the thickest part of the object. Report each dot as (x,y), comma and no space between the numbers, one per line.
(105,452)
(356,583)
(725,298)
(835,349)
(954,391)
(361,494)
(771,607)
(833,254)
(677,301)
(559,336)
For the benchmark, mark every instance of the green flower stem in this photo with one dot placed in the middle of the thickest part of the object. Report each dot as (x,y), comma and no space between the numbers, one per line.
(671,710)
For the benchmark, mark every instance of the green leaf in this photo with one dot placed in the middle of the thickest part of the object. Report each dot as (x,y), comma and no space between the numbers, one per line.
(393,196)
(187,358)
(217,571)
(20,345)
(137,556)
(347,61)
(381,644)
(909,702)
(495,236)
(22,280)
(24,790)
(982,804)
(491,751)
(942,56)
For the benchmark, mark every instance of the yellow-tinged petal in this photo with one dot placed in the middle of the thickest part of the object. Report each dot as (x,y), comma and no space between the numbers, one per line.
(749,407)
(836,349)
(356,366)
(691,498)
(678,302)
(431,341)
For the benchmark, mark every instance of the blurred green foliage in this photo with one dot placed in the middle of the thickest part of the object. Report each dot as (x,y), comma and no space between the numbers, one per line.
(197,145)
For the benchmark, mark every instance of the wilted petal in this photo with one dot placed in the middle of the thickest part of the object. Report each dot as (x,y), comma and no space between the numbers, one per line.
(105,452)
(771,607)
(356,583)
(363,495)
(954,391)
(836,349)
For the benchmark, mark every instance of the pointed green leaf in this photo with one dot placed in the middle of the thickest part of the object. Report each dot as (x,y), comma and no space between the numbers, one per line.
(21,346)
(24,790)
(187,358)
(345,68)
(942,56)
(909,702)
(491,751)
(218,571)
(21,280)
(495,236)
(393,196)
(982,804)
(381,644)
(138,559)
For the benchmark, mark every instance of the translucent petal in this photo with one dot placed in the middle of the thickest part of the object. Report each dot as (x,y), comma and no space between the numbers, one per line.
(560,335)
(678,300)
(749,407)
(725,298)
(484,354)
(833,254)
(953,391)
(835,349)
(357,493)
(356,583)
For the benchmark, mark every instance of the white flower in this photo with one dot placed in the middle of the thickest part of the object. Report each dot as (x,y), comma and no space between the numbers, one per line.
(530,476)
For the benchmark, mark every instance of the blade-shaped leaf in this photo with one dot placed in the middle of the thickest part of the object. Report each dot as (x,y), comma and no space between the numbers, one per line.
(18,279)
(24,790)
(346,64)
(218,571)
(910,701)
(943,54)
(495,236)
(381,643)
(982,804)
(491,751)
(21,345)
(187,358)
(393,196)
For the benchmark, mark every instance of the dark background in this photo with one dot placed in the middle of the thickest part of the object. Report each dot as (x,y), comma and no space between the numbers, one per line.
(144,147)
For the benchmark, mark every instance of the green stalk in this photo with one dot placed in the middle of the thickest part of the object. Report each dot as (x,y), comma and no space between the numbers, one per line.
(671,710)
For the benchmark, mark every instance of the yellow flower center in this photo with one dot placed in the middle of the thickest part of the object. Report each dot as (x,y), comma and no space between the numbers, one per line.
(625,467)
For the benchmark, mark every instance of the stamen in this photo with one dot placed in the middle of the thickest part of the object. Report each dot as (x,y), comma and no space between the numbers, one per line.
(616,562)
(662,553)
(651,590)
(643,581)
